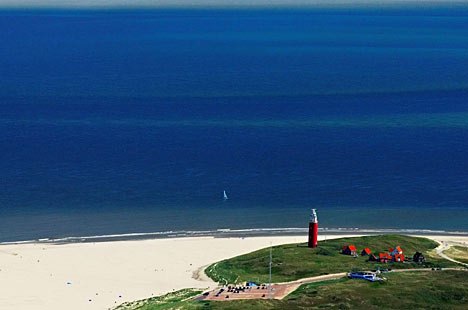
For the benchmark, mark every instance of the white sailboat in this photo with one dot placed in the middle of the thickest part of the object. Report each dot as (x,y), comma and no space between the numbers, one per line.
(225,197)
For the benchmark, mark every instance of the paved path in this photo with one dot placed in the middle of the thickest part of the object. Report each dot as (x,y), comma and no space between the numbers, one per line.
(293,285)
(317,278)
(427,269)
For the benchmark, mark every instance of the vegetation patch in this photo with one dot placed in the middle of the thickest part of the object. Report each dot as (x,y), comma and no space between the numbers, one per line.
(296,261)
(417,290)
(173,300)
(458,253)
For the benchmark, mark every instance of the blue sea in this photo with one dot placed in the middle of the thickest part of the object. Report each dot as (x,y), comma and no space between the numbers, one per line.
(136,121)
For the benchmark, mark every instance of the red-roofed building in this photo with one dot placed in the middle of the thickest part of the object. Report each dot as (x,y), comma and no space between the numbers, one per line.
(395,251)
(349,250)
(384,257)
(399,258)
(373,258)
(366,251)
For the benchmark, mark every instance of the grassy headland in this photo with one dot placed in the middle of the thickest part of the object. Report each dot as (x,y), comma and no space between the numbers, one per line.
(296,261)
(447,289)
(409,290)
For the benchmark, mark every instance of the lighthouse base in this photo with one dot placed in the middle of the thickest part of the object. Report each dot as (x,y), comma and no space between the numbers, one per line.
(313,235)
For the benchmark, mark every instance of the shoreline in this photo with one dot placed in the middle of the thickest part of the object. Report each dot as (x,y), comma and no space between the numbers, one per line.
(102,275)
(230,233)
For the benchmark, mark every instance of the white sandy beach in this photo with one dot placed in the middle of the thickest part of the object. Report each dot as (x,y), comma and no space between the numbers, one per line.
(67,276)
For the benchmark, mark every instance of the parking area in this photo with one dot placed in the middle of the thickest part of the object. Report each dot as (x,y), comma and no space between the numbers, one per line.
(278,291)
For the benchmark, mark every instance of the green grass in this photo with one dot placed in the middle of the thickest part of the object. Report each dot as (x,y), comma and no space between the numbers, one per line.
(409,290)
(420,290)
(172,300)
(459,253)
(296,261)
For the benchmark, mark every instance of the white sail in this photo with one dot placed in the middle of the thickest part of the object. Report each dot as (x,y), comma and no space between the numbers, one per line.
(225,195)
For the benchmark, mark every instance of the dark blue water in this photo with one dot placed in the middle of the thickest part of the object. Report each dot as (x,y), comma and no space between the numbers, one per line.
(136,121)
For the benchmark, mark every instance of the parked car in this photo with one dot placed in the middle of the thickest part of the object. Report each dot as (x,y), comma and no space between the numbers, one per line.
(369,276)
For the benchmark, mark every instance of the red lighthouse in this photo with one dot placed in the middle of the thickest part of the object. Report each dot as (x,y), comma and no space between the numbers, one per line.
(313,230)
